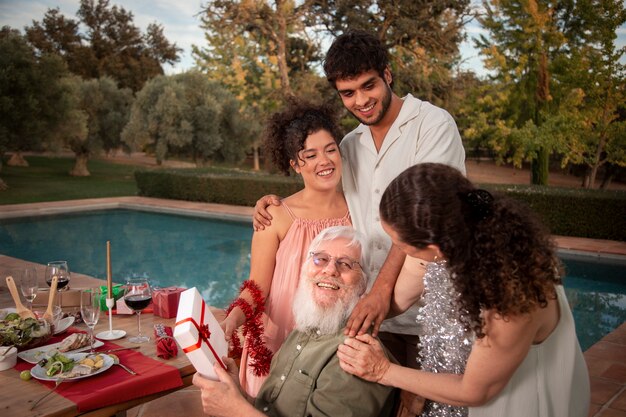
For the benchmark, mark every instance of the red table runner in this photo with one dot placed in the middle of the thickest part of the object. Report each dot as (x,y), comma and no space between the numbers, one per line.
(115,385)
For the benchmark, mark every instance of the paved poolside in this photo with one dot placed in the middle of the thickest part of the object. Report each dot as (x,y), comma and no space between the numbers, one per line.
(606,360)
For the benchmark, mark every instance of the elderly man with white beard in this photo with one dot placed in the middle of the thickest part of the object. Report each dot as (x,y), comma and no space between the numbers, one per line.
(305,378)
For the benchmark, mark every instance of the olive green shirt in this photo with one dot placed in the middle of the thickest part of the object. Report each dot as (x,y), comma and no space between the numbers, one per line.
(305,380)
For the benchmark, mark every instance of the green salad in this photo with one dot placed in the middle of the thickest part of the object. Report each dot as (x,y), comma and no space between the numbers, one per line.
(16,331)
(57,364)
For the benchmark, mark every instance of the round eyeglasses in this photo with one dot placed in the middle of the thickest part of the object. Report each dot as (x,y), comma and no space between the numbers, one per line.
(343,263)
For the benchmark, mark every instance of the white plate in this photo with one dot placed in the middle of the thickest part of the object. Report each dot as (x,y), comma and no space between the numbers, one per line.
(40,373)
(64,324)
(36,354)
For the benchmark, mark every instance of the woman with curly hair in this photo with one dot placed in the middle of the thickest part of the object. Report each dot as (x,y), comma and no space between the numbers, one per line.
(494,278)
(303,138)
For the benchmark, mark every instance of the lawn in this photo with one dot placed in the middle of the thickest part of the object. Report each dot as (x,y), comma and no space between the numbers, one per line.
(47,179)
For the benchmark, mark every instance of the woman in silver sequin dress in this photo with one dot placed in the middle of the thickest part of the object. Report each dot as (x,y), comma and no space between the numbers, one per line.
(444,344)
(525,360)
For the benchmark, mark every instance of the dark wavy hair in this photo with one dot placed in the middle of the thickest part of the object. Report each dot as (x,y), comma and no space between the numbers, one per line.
(499,256)
(287,130)
(354,53)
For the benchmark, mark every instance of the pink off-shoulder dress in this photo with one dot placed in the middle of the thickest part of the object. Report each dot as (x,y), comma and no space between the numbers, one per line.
(278,318)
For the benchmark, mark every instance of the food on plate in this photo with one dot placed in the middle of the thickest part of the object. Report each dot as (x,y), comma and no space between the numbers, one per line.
(61,366)
(23,332)
(11,317)
(57,364)
(73,342)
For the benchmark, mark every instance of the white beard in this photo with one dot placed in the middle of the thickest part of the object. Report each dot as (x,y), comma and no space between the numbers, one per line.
(308,315)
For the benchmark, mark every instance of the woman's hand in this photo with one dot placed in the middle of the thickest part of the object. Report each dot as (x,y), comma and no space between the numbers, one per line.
(230,325)
(364,357)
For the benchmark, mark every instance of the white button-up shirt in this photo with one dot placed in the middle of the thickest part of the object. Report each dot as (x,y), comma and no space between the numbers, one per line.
(421,133)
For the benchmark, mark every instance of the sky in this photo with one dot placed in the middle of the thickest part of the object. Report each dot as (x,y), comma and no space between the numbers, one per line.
(181,24)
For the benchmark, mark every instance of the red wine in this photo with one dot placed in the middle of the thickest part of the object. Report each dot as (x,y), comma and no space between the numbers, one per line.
(61,282)
(137,302)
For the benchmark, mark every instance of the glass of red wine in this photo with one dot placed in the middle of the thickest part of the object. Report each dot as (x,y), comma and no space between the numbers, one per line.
(138,296)
(61,270)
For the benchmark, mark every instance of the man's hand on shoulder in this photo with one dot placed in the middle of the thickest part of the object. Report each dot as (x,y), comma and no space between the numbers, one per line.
(262,217)
(371,310)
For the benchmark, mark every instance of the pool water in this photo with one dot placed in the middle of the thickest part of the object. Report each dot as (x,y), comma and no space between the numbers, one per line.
(596,291)
(214,256)
(210,254)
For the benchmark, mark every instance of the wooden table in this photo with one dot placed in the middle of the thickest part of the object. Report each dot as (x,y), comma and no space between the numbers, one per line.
(16,396)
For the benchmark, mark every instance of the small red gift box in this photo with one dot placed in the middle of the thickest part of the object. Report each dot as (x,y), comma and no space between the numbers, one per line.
(165,301)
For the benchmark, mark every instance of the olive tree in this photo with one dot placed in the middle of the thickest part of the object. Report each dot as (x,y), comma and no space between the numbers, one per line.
(186,115)
(106,109)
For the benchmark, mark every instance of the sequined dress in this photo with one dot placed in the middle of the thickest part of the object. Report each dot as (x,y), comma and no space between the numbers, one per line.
(444,344)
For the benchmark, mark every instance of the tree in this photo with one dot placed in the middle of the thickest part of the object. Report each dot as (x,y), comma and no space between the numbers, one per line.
(74,126)
(262,52)
(558,69)
(111,45)
(186,114)
(269,30)
(483,118)
(105,109)
(597,78)
(31,105)
(524,39)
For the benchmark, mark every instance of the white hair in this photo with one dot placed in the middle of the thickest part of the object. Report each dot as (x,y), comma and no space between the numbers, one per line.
(348,233)
(308,315)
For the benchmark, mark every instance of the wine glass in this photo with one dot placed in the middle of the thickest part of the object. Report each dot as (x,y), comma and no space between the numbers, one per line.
(90,309)
(62,271)
(138,296)
(28,285)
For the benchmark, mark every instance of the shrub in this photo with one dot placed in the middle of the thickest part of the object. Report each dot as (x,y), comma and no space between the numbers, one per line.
(567,212)
(240,189)
(596,214)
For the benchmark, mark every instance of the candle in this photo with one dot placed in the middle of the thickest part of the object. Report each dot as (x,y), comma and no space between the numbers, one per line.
(109,279)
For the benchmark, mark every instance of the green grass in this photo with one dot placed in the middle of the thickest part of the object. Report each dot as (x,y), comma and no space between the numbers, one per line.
(47,179)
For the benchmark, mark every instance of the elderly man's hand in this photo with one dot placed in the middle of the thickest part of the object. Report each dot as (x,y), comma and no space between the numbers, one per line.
(261,216)
(364,357)
(371,310)
(223,398)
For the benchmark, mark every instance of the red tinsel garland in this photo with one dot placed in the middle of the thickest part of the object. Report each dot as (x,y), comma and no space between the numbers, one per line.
(260,355)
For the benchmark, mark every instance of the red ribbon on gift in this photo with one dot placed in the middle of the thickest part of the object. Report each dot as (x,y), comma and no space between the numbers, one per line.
(203,335)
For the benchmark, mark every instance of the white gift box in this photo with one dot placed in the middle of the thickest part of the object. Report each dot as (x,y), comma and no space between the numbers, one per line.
(199,334)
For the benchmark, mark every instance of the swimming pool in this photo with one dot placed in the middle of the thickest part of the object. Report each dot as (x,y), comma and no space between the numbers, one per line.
(210,254)
(214,256)
(596,290)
